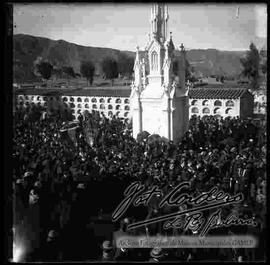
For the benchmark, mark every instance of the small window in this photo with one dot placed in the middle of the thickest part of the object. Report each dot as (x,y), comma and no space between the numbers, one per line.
(79,106)
(217,111)
(228,111)
(45,98)
(79,100)
(72,105)
(94,106)
(194,102)
(229,103)
(126,101)
(102,100)
(118,107)
(217,103)
(21,97)
(86,106)
(117,113)
(86,113)
(79,111)
(65,99)
(125,114)
(126,107)
(118,100)
(26,97)
(94,100)
(71,99)
(195,110)
(205,103)
(102,106)
(110,113)
(110,107)
(86,100)
(206,111)
(109,100)
(38,97)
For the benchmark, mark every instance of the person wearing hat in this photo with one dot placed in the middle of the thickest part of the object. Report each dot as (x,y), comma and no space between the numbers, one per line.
(122,254)
(52,236)
(33,197)
(122,231)
(38,185)
(157,255)
(51,249)
(107,251)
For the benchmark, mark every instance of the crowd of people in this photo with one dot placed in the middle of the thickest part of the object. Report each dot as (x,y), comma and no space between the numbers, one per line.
(61,185)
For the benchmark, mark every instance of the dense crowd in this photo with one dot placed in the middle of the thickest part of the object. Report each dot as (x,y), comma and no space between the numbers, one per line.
(61,185)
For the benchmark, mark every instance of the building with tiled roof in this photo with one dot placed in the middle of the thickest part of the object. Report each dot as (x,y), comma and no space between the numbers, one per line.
(222,101)
(107,100)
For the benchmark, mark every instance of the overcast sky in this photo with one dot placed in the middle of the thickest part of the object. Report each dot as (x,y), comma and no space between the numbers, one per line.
(124,26)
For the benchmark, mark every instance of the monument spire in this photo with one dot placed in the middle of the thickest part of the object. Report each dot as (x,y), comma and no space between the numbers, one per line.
(159,21)
(158,104)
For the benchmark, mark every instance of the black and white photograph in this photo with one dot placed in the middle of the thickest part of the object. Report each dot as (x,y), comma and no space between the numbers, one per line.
(138,132)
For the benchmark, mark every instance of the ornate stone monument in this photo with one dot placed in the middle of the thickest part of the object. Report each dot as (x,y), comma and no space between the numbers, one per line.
(159,98)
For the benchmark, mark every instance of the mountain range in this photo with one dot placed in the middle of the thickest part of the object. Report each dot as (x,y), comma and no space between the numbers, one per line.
(27,48)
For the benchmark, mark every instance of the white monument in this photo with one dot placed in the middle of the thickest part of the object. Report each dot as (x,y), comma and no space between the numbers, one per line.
(159,99)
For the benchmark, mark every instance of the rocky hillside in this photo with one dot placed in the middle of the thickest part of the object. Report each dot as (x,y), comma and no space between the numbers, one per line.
(28,48)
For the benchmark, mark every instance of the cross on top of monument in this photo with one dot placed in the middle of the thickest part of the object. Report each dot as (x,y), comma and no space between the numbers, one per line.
(182,47)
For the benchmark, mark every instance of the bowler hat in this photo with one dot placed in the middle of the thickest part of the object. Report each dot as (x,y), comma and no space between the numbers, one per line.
(52,235)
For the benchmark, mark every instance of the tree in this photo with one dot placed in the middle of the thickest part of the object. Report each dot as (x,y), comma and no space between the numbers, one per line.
(18,73)
(175,67)
(45,69)
(188,68)
(110,68)
(263,61)
(69,71)
(250,65)
(188,71)
(125,65)
(87,70)
(57,72)
(264,67)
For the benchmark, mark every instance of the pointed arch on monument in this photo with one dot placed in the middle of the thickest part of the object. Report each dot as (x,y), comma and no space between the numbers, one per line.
(154,61)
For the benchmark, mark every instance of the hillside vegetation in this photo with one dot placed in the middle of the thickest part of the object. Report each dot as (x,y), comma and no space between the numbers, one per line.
(62,53)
